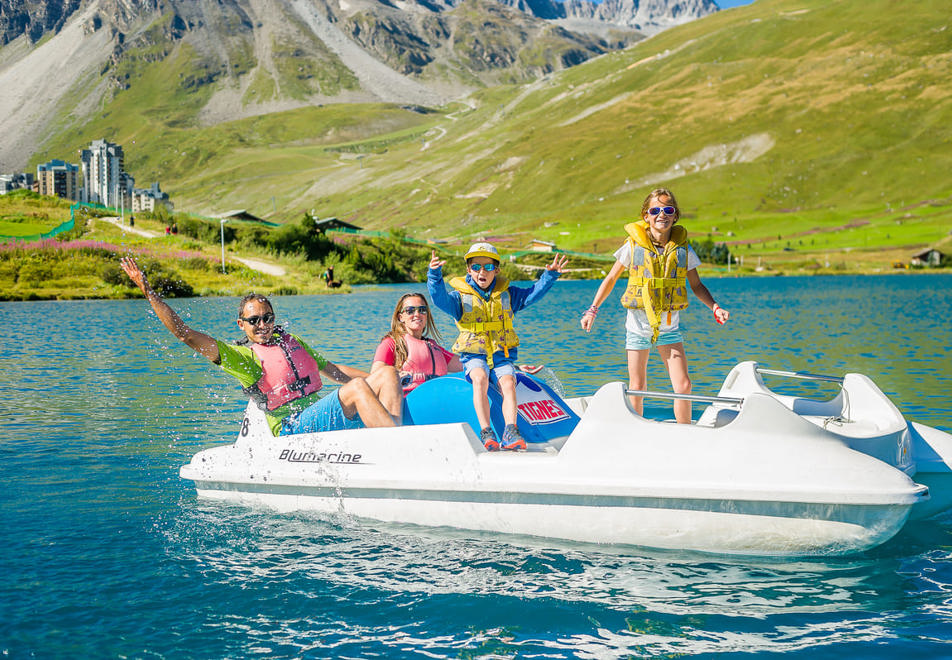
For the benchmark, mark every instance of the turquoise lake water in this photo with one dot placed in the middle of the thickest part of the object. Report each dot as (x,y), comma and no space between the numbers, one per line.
(108,553)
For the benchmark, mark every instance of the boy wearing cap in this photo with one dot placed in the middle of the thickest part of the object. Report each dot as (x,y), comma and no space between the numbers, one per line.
(483,304)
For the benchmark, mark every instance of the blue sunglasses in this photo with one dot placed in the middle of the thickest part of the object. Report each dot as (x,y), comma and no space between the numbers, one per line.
(478,267)
(656,210)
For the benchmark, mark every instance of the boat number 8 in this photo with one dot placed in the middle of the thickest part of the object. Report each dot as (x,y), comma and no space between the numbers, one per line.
(244,427)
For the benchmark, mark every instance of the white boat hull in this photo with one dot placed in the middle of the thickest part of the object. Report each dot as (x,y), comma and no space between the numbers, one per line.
(753,529)
(766,483)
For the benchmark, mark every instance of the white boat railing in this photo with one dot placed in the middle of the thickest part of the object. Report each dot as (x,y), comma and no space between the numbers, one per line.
(735,401)
(802,375)
(687,397)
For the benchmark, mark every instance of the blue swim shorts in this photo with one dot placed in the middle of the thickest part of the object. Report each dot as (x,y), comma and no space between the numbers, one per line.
(503,367)
(634,342)
(324,415)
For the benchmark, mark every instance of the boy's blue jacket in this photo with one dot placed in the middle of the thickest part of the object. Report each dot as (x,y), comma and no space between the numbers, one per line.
(449,300)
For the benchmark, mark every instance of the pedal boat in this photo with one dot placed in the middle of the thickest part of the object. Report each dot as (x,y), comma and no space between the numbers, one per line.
(757,474)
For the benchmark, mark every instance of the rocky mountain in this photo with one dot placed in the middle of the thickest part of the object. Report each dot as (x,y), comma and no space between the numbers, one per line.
(36,18)
(68,58)
(33,18)
(646,16)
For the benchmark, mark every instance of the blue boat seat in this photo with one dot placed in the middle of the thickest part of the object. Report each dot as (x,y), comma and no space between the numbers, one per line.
(543,414)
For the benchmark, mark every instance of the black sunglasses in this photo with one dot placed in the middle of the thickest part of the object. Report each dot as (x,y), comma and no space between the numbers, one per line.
(410,309)
(656,210)
(255,320)
(478,267)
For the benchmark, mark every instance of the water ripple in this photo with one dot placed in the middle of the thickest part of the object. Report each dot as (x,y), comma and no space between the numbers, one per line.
(109,553)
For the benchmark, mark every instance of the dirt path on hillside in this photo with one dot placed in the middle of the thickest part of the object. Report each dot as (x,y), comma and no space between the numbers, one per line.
(263,266)
(132,230)
(254,264)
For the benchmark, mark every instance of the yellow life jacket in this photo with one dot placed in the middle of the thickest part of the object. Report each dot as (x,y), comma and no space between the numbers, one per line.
(486,325)
(657,279)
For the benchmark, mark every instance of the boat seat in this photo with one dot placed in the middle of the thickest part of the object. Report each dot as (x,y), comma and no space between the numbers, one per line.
(578,404)
(716,417)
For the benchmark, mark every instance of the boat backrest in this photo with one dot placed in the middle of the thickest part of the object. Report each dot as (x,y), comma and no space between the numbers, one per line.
(744,379)
(868,404)
(254,426)
(543,414)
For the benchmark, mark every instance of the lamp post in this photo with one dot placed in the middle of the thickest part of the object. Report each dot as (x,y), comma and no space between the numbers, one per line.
(222,225)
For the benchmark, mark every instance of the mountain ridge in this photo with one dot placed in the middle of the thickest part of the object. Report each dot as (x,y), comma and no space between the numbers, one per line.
(262,56)
(780,119)
(789,116)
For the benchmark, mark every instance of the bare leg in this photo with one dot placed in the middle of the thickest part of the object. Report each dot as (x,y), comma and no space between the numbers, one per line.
(357,398)
(481,396)
(677,363)
(508,386)
(385,383)
(637,376)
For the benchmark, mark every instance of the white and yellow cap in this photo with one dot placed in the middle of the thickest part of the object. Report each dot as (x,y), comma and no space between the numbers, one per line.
(482,250)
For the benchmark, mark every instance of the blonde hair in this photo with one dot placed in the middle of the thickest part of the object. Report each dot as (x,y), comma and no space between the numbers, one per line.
(397,331)
(661,192)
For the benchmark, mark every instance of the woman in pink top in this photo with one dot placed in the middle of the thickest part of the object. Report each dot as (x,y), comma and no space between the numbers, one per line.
(409,345)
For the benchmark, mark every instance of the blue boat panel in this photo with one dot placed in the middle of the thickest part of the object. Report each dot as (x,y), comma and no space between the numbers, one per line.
(543,415)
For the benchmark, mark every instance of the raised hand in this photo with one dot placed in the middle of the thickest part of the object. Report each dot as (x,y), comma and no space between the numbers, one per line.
(135,273)
(436,262)
(559,262)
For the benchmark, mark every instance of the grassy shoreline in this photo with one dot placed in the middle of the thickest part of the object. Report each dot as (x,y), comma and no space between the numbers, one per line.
(88,270)
(83,263)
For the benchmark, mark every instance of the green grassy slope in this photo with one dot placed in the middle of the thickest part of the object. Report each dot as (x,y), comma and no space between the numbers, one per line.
(856,115)
(785,125)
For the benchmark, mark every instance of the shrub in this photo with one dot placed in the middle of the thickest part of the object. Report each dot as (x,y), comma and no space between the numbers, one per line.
(9,270)
(301,238)
(204,230)
(170,287)
(34,272)
(112,274)
(196,263)
(711,252)
(165,282)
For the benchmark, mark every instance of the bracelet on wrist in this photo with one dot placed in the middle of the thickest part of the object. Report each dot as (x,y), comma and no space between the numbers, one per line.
(593,310)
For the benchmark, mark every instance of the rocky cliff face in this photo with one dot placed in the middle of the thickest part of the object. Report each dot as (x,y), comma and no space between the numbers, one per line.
(309,47)
(33,18)
(251,57)
(482,37)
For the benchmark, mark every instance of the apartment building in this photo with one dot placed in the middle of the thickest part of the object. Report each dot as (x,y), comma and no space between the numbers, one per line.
(15,181)
(105,180)
(146,199)
(58,178)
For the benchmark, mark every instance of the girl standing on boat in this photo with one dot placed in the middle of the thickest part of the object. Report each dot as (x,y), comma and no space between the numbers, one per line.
(410,345)
(660,263)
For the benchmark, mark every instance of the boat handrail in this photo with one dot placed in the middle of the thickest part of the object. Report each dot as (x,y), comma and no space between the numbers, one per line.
(687,397)
(802,375)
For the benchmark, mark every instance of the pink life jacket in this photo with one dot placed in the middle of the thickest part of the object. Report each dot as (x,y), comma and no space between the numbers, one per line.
(424,361)
(288,372)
